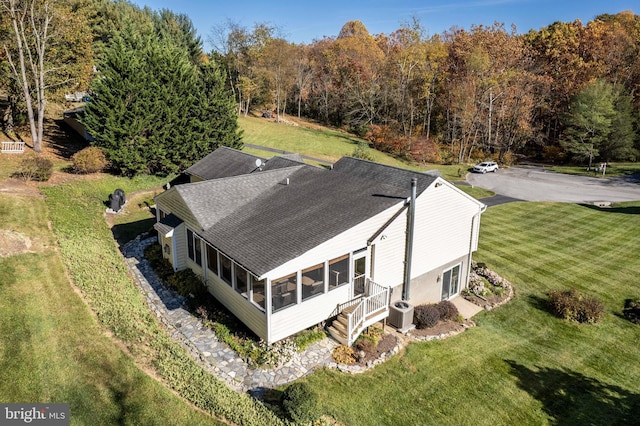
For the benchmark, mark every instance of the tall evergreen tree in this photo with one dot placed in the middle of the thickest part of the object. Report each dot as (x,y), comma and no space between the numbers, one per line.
(590,119)
(153,110)
(619,145)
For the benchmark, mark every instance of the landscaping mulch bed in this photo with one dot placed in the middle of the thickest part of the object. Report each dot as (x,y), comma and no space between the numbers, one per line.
(441,328)
(386,343)
(490,301)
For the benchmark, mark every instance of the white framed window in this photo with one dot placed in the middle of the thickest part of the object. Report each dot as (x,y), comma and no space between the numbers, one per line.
(451,282)
(338,271)
(194,247)
(226,269)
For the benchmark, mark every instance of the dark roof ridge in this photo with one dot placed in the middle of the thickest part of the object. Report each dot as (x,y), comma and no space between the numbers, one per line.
(244,176)
(376,164)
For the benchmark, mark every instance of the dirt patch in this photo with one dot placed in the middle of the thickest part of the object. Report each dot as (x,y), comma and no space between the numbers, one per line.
(12,243)
(19,187)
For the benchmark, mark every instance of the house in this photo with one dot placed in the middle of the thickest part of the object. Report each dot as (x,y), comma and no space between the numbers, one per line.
(285,245)
(73,118)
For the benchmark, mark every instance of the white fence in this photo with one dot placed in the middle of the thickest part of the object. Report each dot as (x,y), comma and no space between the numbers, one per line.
(12,147)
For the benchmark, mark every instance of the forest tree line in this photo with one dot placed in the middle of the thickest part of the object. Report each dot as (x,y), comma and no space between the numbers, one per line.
(565,92)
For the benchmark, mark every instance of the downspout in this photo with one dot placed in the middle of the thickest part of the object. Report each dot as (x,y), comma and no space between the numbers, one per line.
(474,225)
(408,251)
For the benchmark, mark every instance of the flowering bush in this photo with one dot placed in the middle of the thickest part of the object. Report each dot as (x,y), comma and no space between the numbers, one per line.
(574,306)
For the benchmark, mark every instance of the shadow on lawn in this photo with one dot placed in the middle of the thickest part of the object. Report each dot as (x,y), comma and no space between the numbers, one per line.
(572,398)
(539,303)
(624,210)
(125,232)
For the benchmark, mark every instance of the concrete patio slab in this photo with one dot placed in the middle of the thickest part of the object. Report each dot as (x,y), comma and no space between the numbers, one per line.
(466,308)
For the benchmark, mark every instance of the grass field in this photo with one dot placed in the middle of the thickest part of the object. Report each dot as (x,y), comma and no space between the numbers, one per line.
(613,169)
(323,143)
(52,348)
(76,211)
(521,365)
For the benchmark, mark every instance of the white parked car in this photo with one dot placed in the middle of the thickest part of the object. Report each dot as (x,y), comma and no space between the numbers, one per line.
(485,166)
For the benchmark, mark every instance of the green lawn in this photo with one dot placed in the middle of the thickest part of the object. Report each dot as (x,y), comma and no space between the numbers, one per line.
(86,245)
(53,350)
(613,169)
(521,365)
(323,143)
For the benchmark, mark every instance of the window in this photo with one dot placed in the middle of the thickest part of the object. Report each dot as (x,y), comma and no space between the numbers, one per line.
(257,291)
(241,280)
(225,268)
(338,271)
(450,282)
(162,214)
(212,259)
(284,291)
(312,281)
(194,247)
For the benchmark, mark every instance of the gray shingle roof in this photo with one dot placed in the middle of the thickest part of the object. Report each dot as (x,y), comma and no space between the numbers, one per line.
(260,221)
(393,176)
(224,162)
(167,224)
(213,200)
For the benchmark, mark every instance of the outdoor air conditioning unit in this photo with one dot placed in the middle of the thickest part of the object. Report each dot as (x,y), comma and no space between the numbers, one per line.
(401,316)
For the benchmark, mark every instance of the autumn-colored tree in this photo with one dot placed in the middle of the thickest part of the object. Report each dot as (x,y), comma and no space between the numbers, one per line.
(46,50)
(354,61)
(302,75)
(490,97)
(242,51)
(278,61)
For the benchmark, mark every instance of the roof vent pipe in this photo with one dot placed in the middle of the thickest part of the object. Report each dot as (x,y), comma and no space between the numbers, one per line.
(408,251)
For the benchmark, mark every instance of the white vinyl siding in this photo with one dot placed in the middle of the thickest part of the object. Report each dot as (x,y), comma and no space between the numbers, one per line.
(310,312)
(389,253)
(180,240)
(346,242)
(243,309)
(443,228)
(446,226)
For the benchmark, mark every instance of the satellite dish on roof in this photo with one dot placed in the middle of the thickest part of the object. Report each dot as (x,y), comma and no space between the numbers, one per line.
(258,162)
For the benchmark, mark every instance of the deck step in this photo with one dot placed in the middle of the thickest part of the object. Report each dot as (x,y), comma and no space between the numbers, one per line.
(343,319)
(349,309)
(340,326)
(337,335)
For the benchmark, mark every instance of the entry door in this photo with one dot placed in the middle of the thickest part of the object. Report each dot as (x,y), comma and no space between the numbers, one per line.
(359,269)
(450,282)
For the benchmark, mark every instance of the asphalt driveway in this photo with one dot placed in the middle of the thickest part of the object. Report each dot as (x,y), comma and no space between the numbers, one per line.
(537,184)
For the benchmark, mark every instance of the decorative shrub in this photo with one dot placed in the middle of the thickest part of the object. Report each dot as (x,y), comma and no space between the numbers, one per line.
(631,310)
(448,310)
(572,305)
(187,284)
(365,345)
(362,151)
(373,334)
(89,160)
(344,355)
(36,168)
(426,316)
(153,253)
(301,403)
(307,337)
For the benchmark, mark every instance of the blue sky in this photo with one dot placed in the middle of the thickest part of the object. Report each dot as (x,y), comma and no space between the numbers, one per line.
(303,21)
